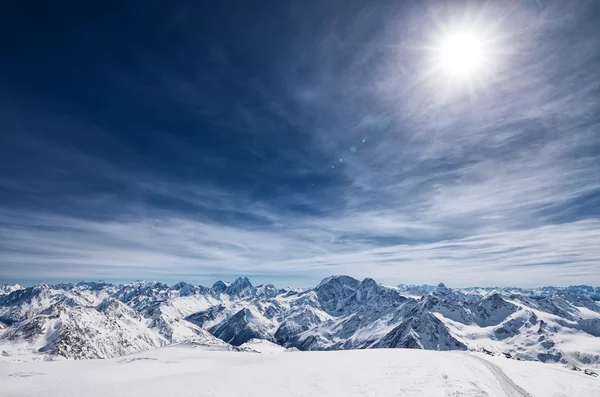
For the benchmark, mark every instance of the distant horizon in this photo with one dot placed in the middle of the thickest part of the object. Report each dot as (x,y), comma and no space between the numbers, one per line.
(209,284)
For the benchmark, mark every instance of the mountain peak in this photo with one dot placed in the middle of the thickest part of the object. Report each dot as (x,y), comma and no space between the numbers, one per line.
(6,289)
(240,287)
(333,292)
(340,280)
(219,286)
(243,281)
(444,292)
(368,282)
(186,289)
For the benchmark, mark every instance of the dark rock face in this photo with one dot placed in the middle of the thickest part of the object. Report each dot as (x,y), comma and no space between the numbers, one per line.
(373,296)
(552,356)
(334,291)
(219,287)
(207,315)
(492,310)
(295,324)
(240,328)
(186,289)
(241,287)
(590,326)
(424,331)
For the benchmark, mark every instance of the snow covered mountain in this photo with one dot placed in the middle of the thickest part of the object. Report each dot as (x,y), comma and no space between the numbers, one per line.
(109,330)
(243,326)
(6,289)
(100,320)
(579,290)
(96,320)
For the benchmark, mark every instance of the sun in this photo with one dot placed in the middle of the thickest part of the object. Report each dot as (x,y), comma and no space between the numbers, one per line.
(465,53)
(461,54)
(463,59)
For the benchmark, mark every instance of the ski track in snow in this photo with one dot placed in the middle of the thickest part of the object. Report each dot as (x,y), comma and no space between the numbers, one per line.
(508,386)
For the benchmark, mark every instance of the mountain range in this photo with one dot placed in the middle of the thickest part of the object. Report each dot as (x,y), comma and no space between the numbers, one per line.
(102,320)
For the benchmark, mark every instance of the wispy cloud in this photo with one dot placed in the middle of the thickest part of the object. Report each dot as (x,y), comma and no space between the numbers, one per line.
(54,247)
(348,156)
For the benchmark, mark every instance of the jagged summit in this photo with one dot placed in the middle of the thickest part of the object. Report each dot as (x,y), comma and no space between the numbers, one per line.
(441,289)
(339,280)
(219,286)
(333,291)
(186,289)
(241,286)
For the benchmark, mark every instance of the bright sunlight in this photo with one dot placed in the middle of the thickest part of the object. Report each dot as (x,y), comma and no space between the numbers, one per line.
(461,54)
(463,58)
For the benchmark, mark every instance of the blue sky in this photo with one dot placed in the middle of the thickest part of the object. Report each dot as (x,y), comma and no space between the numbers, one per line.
(288,141)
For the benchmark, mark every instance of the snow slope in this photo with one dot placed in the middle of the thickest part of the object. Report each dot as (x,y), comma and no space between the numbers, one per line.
(184,371)
(263,346)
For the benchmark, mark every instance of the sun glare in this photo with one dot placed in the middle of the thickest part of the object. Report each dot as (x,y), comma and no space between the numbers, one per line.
(461,54)
(463,58)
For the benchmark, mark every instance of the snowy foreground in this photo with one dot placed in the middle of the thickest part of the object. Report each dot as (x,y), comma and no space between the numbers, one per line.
(182,370)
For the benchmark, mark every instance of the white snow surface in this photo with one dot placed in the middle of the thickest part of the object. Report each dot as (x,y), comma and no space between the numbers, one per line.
(181,370)
(6,289)
(263,346)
